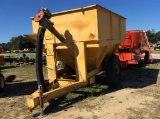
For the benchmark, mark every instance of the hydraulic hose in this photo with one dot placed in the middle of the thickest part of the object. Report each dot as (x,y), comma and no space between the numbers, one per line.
(38,60)
(43,18)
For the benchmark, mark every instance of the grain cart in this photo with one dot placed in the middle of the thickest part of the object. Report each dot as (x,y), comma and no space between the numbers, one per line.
(134,48)
(2,80)
(85,40)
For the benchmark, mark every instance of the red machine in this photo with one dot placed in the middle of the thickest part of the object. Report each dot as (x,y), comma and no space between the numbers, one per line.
(135,48)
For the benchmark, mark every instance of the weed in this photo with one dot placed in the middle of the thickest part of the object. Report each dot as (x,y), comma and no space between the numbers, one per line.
(79,117)
(95,117)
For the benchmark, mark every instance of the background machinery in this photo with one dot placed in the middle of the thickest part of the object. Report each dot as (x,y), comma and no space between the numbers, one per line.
(157,46)
(2,80)
(135,48)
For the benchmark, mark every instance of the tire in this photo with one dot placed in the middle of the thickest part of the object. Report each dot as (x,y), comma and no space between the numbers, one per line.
(146,58)
(113,71)
(2,83)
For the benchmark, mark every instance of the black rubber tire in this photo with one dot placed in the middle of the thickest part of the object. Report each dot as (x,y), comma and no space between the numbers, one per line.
(113,71)
(146,58)
(2,83)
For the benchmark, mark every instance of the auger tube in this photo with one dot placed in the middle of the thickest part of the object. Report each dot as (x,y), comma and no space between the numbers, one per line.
(43,18)
(38,60)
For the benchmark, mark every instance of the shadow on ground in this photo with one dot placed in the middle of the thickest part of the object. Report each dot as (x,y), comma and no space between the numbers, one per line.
(83,93)
(135,76)
(8,67)
(132,77)
(155,61)
(18,88)
(139,78)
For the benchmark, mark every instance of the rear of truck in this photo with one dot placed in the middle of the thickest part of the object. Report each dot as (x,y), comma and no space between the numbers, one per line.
(134,49)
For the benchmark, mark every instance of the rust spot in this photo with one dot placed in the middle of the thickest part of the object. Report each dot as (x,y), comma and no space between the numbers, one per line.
(91,36)
(79,24)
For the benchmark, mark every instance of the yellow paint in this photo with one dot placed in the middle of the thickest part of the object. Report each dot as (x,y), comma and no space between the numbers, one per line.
(86,24)
(92,34)
(80,61)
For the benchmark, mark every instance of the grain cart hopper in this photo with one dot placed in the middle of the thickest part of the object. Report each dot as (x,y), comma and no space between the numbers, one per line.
(85,40)
(2,80)
(134,48)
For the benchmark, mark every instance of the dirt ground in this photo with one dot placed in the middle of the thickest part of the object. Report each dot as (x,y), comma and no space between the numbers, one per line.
(138,99)
(138,82)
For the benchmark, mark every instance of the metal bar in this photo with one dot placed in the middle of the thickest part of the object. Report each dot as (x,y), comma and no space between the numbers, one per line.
(41,99)
(33,100)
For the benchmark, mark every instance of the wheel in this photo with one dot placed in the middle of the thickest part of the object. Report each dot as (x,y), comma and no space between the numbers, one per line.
(146,58)
(113,71)
(2,83)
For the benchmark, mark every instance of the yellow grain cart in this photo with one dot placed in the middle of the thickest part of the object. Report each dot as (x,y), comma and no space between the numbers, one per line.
(85,40)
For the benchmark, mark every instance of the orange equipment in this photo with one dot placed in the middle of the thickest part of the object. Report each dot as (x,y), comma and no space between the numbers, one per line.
(134,48)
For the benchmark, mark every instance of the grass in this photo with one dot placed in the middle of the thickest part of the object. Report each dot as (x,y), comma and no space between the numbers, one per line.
(152,109)
(151,112)
(146,79)
(13,99)
(23,72)
(16,92)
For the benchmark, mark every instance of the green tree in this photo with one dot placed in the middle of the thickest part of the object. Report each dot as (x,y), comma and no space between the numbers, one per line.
(6,46)
(19,42)
(158,36)
(153,37)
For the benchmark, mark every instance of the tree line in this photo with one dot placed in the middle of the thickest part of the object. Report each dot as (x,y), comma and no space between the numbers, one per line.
(18,43)
(153,37)
(21,42)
